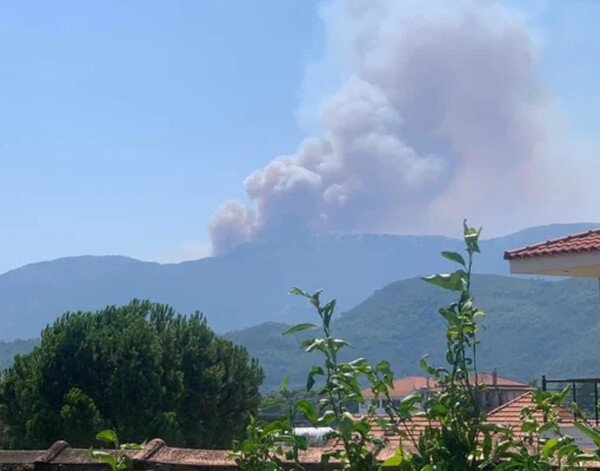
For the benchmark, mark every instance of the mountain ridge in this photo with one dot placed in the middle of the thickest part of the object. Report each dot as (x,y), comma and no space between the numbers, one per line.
(246,286)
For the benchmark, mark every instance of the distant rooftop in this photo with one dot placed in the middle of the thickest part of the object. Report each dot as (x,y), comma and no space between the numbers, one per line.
(404,386)
(412,384)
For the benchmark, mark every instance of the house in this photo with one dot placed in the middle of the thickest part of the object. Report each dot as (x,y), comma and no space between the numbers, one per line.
(402,388)
(497,390)
(509,415)
(576,255)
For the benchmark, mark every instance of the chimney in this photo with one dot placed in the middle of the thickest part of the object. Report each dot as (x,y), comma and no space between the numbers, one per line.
(495,377)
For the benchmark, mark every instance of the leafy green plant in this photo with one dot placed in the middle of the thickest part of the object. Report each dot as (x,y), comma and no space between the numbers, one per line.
(453,443)
(279,401)
(268,444)
(543,446)
(339,387)
(457,435)
(117,459)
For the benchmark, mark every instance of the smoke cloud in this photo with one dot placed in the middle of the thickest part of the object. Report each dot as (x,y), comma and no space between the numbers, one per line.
(436,115)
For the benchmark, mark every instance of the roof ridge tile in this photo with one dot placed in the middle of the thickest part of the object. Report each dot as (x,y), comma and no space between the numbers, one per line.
(570,243)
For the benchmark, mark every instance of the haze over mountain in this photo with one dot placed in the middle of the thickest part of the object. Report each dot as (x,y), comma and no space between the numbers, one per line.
(245,286)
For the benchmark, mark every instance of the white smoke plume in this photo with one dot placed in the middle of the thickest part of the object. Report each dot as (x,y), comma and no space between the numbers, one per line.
(436,116)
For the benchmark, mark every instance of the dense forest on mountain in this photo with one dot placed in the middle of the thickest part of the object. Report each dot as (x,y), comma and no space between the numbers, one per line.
(532,327)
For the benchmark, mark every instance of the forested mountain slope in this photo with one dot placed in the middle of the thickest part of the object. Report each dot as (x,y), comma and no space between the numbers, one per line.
(532,327)
(245,287)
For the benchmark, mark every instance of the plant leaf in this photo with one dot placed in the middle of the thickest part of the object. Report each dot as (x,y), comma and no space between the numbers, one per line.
(273,404)
(105,457)
(346,425)
(299,328)
(450,281)
(284,383)
(310,380)
(107,436)
(590,432)
(395,460)
(308,410)
(454,257)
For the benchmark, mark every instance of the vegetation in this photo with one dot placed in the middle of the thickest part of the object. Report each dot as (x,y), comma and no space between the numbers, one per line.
(141,370)
(277,402)
(118,459)
(8,350)
(350,267)
(534,327)
(456,435)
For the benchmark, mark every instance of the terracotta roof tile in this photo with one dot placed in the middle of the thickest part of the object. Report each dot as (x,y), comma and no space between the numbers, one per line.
(487,379)
(404,386)
(412,384)
(588,241)
(509,414)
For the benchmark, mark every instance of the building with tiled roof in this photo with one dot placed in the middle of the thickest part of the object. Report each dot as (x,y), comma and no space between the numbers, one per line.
(572,255)
(509,414)
(498,390)
(403,387)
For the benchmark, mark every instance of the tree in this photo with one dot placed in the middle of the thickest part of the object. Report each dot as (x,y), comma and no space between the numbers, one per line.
(141,370)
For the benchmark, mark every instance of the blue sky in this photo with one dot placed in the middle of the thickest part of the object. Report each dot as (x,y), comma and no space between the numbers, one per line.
(124,125)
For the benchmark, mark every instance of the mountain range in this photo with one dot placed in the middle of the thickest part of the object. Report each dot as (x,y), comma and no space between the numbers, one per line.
(246,286)
(531,327)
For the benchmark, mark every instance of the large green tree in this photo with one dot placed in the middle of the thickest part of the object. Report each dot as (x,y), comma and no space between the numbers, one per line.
(140,369)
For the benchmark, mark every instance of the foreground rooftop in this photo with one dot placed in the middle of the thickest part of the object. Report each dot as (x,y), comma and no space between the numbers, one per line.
(572,255)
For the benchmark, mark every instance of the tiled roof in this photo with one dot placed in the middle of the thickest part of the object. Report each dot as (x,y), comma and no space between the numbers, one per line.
(413,429)
(412,384)
(487,379)
(588,241)
(404,386)
(509,414)
(156,455)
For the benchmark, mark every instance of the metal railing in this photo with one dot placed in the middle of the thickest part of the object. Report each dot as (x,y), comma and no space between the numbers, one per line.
(584,392)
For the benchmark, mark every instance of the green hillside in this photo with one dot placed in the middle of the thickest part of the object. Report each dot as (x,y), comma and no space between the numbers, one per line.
(532,327)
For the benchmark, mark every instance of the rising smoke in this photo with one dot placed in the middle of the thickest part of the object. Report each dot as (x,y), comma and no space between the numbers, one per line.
(436,115)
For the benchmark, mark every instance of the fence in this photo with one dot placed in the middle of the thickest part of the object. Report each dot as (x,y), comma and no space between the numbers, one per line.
(584,392)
